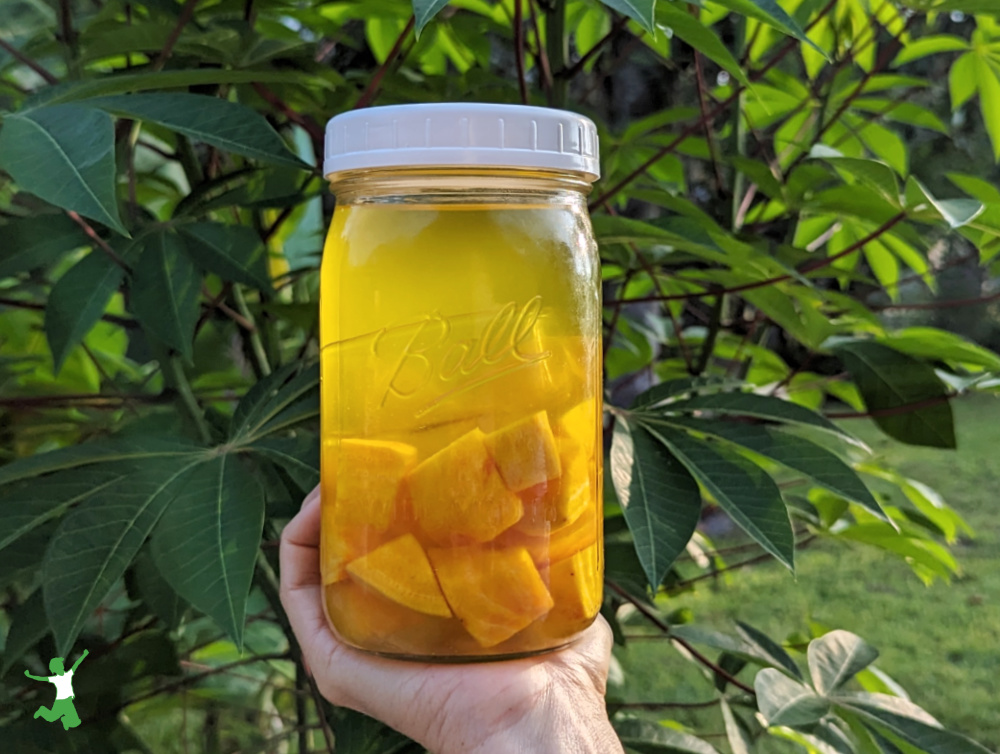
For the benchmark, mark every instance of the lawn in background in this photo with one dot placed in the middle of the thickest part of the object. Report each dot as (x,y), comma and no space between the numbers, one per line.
(941,643)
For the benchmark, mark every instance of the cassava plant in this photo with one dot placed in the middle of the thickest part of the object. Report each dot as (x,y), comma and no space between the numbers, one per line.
(783,183)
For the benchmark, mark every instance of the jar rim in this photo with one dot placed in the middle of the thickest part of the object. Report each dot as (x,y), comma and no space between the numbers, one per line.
(461,134)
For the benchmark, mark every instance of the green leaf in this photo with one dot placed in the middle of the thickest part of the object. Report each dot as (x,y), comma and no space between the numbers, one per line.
(783,701)
(29,243)
(962,80)
(296,456)
(772,14)
(29,504)
(751,404)
(908,721)
(765,647)
(794,451)
(836,657)
(932,45)
(85,454)
(679,388)
(739,741)
(139,82)
(872,173)
(206,543)
(902,112)
(359,734)
(650,738)
(28,625)
(77,301)
(940,345)
(220,123)
(933,557)
(741,488)
(165,289)
(64,155)
(233,252)
(907,400)
(424,11)
(989,100)
(640,11)
(660,499)
(696,34)
(97,541)
(956,212)
(290,395)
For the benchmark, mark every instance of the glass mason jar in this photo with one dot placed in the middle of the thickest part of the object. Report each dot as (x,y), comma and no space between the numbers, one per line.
(461,382)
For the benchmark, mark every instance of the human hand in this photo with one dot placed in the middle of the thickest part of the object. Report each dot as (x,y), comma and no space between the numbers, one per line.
(549,703)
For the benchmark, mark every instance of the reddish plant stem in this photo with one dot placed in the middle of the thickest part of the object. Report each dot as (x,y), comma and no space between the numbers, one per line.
(665,627)
(894,411)
(615,314)
(183,19)
(806,268)
(541,54)
(522,81)
(309,125)
(92,234)
(578,66)
(371,91)
(23,59)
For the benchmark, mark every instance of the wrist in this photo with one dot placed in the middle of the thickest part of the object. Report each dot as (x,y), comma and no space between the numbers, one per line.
(559,723)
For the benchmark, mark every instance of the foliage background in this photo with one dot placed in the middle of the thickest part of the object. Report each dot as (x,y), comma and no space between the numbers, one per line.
(796,223)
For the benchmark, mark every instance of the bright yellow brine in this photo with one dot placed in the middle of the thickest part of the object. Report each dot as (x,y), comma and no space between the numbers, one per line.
(461,458)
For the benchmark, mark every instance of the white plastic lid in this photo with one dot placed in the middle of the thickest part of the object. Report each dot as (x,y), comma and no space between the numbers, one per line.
(461,134)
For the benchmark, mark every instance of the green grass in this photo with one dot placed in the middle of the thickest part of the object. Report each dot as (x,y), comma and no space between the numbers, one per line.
(941,643)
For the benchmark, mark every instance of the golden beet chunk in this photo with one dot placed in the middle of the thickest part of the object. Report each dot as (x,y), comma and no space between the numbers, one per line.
(525,452)
(554,504)
(362,616)
(369,481)
(558,544)
(494,593)
(575,584)
(457,493)
(579,424)
(400,570)
(341,543)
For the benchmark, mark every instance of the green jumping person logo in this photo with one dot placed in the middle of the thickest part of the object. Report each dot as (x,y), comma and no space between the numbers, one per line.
(62,707)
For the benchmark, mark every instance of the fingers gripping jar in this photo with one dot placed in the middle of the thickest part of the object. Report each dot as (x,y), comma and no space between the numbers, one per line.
(461,382)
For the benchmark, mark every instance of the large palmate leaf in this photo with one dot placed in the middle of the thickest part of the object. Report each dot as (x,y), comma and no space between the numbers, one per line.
(836,657)
(905,397)
(783,701)
(218,122)
(77,302)
(139,447)
(287,397)
(65,155)
(793,451)
(29,504)
(743,490)
(166,287)
(97,541)
(751,404)
(206,543)
(661,500)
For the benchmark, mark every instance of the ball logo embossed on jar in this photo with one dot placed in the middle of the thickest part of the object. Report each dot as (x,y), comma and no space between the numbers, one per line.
(437,354)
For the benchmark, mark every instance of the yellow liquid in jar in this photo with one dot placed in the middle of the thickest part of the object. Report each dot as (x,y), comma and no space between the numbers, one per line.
(461,404)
